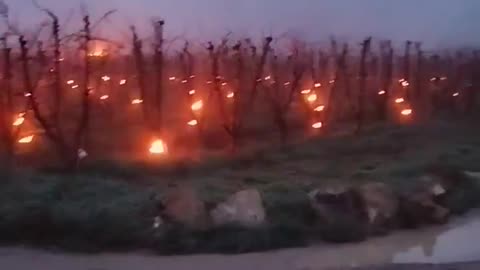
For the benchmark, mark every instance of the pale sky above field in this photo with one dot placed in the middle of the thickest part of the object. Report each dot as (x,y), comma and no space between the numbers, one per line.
(436,22)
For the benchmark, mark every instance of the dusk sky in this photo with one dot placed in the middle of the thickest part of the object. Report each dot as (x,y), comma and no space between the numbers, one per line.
(436,22)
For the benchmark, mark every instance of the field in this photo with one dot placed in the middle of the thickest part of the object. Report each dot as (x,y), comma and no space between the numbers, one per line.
(94,132)
(112,207)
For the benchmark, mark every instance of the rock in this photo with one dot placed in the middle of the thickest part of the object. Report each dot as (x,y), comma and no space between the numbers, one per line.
(332,201)
(244,208)
(441,180)
(182,205)
(465,195)
(419,208)
(380,205)
(372,207)
(443,190)
(340,214)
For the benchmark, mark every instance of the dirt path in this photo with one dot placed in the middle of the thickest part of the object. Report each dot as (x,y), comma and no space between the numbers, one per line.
(456,242)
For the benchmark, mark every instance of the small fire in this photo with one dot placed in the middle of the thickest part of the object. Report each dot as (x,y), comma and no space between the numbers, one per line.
(123,82)
(230,95)
(26,140)
(407,112)
(158,147)
(456,94)
(75,86)
(70,82)
(82,153)
(19,121)
(320,108)
(104,97)
(172,78)
(96,54)
(317,85)
(137,101)
(191,92)
(192,122)
(306,91)
(317,125)
(106,78)
(399,100)
(198,105)
(382,92)
(312,98)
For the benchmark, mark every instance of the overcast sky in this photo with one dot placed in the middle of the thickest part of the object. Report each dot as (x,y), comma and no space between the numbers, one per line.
(436,22)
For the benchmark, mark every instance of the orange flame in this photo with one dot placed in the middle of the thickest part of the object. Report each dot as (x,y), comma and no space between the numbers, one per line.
(320,108)
(317,125)
(19,121)
(407,112)
(137,101)
(96,54)
(192,122)
(312,98)
(399,100)
(158,147)
(306,91)
(82,153)
(26,140)
(198,105)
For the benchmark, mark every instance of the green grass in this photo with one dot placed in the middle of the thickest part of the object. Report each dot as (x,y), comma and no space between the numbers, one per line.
(110,206)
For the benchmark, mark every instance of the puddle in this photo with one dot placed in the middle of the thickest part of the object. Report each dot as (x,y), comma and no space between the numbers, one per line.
(455,242)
